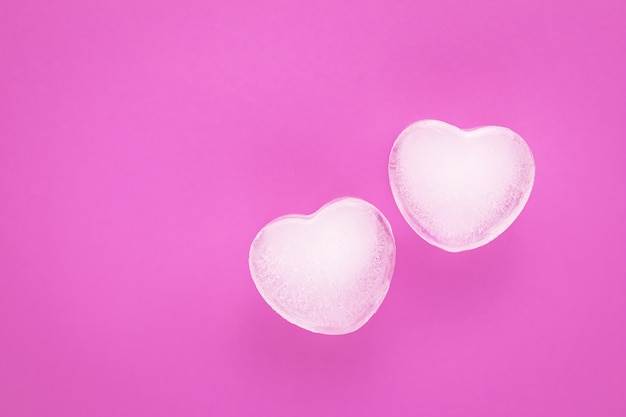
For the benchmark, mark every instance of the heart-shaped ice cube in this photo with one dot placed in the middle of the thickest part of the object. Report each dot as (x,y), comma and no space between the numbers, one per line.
(327,272)
(460,189)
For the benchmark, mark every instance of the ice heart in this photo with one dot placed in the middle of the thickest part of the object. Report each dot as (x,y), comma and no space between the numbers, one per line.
(327,272)
(460,189)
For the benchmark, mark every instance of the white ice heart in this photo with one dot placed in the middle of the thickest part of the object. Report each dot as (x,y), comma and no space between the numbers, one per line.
(327,272)
(460,189)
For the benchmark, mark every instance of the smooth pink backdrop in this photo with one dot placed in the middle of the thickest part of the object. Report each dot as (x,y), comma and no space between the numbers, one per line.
(144,143)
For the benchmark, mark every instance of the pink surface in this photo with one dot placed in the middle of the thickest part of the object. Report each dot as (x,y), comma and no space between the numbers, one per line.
(144,144)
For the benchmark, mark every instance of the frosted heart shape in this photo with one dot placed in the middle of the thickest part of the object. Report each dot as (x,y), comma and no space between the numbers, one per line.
(327,272)
(460,189)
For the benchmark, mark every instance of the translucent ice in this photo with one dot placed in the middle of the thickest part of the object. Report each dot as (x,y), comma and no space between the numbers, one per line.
(327,272)
(460,189)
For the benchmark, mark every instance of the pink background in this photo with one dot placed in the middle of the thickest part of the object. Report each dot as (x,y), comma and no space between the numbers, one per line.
(144,143)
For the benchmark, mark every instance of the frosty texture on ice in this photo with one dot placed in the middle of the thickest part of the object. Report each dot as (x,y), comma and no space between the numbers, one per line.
(327,272)
(460,189)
